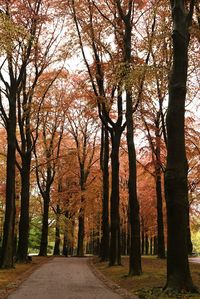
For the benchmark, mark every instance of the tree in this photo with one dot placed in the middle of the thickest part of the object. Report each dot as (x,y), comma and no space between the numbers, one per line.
(152,107)
(18,38)
(176,188)
(40,60)
(51,119)
(83,128)
(107,92)
(126,15)
(56,250)
(104,160)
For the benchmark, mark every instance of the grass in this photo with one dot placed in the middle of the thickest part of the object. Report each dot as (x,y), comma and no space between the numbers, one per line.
(11,278)
(149,285)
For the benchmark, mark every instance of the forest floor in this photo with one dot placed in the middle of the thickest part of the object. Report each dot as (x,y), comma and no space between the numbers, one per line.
(149,285)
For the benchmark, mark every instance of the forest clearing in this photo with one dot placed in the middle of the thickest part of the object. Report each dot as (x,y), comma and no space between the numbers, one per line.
(99,151)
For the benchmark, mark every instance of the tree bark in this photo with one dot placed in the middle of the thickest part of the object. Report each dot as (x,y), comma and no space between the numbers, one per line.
(45,226)
(81,217)
(160,225)
(146,244)
(176,189)
(66,247)
(155,245)
(151,246)
(104,249)
(56,250)
(115,254)
(81,231)
(22,250)
(135,267)
(189,241)
(9,222)
(143,242)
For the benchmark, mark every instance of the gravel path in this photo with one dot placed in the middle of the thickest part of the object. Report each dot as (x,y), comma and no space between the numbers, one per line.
(195,260)
(64,278)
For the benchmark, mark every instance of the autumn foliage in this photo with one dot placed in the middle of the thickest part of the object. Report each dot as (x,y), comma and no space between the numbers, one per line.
(84,154)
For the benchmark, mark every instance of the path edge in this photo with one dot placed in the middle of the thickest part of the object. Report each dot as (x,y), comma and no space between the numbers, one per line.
(109,283)
(25,275)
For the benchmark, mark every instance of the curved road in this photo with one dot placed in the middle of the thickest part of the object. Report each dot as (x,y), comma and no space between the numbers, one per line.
(64,278)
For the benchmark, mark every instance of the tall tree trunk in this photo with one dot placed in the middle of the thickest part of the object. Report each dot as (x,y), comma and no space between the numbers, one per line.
(115,254)
(160,225)
(65,238)
(81,231)
(104,249)
(143,242)
(151,246)
(146,244)
(135,267)
(45,226)
(17,210)
(9,222)
(176,188)
(189,241)
(56,250)
(22,250)
(65,247)
(155,245)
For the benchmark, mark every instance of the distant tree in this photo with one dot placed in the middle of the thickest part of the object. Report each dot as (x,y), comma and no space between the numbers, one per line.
(57,211)
(51,118)
(83,128)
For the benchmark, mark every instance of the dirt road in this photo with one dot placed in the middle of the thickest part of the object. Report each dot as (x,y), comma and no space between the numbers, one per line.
(64,278)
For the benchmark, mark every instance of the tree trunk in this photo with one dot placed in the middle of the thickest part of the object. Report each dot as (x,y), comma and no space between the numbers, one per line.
(45,226)
(146,244)
(143,242)
(9,222)
(65,247)
(189,241)
(135,267)
(56,250)
(104,249)
(81,231)
(151,246)
(115,254)
(155,245)
(22,250)
(176,188)
(123,239)
(65,238)
(160,225)
(17,208)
